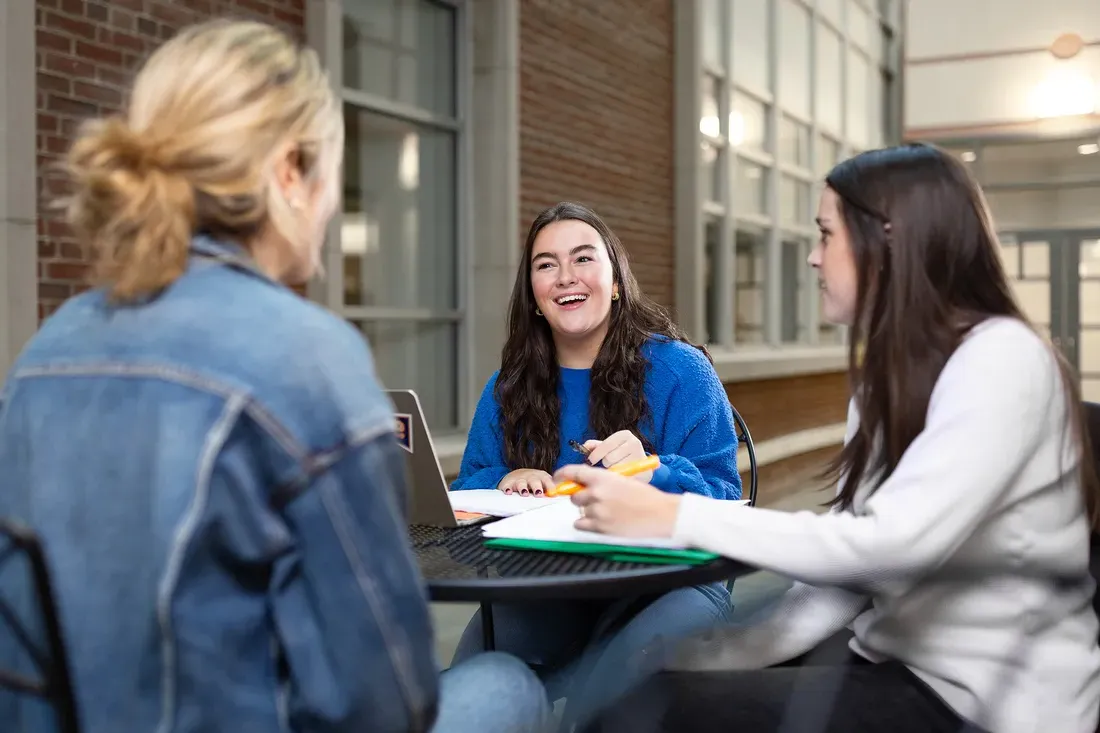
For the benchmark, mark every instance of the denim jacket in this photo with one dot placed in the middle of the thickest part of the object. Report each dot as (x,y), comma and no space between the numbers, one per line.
(221,498)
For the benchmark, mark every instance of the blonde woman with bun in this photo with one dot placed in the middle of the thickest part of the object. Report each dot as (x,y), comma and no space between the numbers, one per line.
(207,457)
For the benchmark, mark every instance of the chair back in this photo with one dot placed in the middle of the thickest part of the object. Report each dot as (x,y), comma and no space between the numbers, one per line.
(743,436)
(53,683)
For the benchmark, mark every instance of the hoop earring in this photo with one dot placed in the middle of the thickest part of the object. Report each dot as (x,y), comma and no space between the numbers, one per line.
(614,296)
(537,311)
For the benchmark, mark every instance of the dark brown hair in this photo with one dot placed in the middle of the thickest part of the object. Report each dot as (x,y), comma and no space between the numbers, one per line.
(928,271)
(527,386)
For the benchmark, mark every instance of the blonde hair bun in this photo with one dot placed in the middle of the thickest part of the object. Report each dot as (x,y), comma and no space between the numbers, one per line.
(209,111)
(130,210)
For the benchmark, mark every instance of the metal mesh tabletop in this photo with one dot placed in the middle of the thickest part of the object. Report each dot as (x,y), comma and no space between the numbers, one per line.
(458,567)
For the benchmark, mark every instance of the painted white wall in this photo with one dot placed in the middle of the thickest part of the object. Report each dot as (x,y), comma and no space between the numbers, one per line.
(959,71)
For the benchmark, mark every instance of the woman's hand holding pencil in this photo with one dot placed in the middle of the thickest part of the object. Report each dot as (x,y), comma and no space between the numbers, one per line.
(633,469)
(613,501)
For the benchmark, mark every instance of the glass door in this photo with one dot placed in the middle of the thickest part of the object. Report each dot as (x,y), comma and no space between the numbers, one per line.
(1056,276)
(1085,328)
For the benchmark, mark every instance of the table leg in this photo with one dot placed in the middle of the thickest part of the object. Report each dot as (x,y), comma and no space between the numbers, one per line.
(488,637)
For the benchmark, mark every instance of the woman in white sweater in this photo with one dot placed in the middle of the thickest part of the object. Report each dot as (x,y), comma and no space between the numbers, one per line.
(956,547)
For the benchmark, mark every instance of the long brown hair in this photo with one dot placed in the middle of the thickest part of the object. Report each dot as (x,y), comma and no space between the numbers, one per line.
(928,272)
(527,386)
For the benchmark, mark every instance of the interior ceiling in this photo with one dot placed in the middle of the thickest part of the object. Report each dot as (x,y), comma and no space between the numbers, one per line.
(1033,152)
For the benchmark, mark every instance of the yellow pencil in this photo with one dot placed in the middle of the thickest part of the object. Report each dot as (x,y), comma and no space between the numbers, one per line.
(649,463)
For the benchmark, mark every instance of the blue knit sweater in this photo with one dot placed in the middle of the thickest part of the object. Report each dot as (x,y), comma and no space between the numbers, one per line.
(691,426)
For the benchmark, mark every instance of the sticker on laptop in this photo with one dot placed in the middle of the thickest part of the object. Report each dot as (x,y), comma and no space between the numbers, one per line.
(404,430)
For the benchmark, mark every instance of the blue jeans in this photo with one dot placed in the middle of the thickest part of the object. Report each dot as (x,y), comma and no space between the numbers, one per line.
(491,692)
(586,650)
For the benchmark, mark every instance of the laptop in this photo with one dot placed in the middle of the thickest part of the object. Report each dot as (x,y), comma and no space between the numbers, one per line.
(429,502)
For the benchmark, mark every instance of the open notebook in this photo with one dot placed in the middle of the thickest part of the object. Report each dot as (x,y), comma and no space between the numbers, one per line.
(551,528)
(498,504)
(554,523)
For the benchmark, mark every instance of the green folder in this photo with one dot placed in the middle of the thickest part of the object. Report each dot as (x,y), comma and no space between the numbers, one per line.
(616,553)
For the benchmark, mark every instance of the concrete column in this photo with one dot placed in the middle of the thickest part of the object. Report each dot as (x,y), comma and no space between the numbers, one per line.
(18,211)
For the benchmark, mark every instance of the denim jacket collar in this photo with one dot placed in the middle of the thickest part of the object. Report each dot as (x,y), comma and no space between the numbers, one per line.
(228,253)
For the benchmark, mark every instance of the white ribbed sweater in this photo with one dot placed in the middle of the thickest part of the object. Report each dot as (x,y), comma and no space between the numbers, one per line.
(990,484)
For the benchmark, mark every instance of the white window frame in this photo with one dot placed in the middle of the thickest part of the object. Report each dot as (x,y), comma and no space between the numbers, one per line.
(773,358)
(487,187)
(18,207)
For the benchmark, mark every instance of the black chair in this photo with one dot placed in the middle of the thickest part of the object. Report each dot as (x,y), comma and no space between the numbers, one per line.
(744,436)
(54,685)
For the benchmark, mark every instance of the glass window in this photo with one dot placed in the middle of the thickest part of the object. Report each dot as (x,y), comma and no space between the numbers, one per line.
(794,201)
(794,142)
(399,223)
(828,155)
(710,123)
(890,10)
(889,111)
(794,291)
(714,21)
(860,24)
(832,10)
(788,112)
(883,50)
(748,313)
(830,90)
(748,123)
(712,278)
(876,105)
(403,50)
(1010,256)
(399,241)
(751,43)
(750,188)
(712,172)
(419,355)
(794,57)
(859,113)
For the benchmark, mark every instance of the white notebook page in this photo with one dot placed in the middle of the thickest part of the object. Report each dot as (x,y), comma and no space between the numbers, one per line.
(498,504)
(554,523)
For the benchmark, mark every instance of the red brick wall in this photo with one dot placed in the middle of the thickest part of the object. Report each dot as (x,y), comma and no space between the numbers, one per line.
(87,53)
(596,116)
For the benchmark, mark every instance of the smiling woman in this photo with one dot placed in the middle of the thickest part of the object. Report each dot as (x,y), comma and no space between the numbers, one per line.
(573,285)
(590,359)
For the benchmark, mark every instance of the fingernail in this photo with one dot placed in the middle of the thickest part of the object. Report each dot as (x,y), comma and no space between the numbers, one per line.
(524,492)
(538,493)
(507,491)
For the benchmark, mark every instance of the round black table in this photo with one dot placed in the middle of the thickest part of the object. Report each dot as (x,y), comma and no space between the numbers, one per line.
(457,566)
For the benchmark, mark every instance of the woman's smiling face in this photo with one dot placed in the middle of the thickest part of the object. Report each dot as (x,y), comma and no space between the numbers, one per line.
(572,279)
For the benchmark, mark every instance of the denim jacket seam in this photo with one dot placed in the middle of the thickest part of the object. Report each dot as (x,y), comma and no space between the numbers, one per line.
(310,463)
(186,377)
(314,464)
(183,534)
(402,664)
(117,369)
